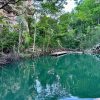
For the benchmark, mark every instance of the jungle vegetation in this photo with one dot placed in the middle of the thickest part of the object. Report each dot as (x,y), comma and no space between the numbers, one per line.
(45,25)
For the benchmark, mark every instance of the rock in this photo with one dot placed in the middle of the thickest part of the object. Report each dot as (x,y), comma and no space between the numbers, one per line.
(7,58)
(96,49)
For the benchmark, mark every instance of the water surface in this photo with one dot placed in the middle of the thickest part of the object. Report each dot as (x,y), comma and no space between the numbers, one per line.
(68,77)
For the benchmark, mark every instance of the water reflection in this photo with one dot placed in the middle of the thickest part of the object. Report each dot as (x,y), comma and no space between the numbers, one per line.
(69,77)
(49,91)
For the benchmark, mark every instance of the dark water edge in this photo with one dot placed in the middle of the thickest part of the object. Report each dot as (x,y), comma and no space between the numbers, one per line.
(75,76)
(11,57)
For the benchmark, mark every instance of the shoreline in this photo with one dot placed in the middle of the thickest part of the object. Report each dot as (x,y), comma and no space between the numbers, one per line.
(8,58)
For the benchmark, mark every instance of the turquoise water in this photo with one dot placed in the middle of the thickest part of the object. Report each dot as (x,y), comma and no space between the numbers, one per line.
(68,77)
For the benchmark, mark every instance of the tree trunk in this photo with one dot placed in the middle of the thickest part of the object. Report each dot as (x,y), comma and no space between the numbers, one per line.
(34,39)
(19,43)
(34,33)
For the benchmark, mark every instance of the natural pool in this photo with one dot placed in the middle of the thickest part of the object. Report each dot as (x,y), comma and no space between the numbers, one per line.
(67,77)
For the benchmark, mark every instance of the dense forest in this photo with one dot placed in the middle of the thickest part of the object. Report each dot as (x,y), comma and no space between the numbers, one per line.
(40,25)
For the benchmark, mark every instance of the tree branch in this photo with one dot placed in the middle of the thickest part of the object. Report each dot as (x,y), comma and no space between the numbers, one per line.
(8,3)
(5,4)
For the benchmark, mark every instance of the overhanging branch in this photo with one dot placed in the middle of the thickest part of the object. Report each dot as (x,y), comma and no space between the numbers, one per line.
(8,3)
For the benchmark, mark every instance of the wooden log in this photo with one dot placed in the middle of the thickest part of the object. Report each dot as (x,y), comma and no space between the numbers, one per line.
(66,52)
(59,53)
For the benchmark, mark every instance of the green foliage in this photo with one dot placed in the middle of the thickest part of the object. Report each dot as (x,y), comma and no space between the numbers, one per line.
(50,6)
(8,39)
(47,29)
(78,29)
(91,39)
